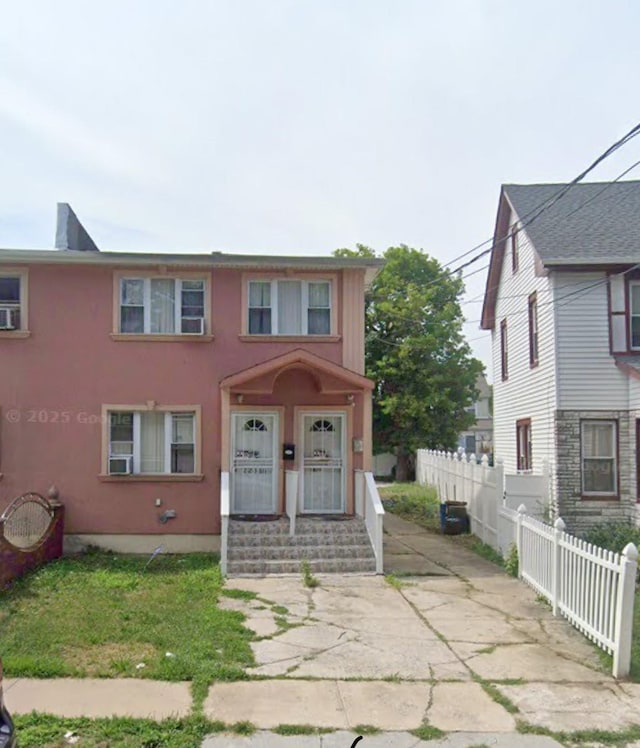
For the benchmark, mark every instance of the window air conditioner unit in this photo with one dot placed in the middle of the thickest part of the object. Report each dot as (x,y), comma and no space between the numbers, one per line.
(7,318)
(121,465)
(193,325)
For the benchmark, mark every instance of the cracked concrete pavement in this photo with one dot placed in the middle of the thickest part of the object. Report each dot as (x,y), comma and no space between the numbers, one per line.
(461,648)
(457,645)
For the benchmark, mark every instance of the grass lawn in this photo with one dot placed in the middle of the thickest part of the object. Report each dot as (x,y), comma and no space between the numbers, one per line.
(45,731)
(420,504)
(104,614)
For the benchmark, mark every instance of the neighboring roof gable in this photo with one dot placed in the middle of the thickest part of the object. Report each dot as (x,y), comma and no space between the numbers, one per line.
(495,265)
(591,224)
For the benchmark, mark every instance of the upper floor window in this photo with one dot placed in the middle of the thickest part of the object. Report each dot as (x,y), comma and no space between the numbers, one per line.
(523,444)
(289,307)
(13,310)
(504,358)
(634,314)
(599,456)
(513,241)
(162,306)
(533,330)
(151,442)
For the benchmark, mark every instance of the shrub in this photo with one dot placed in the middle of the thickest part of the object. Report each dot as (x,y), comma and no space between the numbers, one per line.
(613,535)
(511,561)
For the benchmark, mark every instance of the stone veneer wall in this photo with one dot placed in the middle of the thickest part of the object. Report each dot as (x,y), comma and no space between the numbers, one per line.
(582,514)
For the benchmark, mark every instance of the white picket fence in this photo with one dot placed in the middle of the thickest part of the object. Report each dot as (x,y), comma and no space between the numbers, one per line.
(591,587)
(488,492)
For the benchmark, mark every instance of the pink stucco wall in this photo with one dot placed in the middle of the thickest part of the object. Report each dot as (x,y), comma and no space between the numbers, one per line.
(54,383)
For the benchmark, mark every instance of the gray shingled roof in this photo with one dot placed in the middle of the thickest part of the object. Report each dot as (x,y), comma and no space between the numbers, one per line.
(598,222)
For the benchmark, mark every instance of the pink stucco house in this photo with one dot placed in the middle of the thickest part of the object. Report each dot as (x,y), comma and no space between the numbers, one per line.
(164,393)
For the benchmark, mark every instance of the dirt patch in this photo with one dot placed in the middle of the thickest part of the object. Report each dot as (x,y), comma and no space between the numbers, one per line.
(114,658)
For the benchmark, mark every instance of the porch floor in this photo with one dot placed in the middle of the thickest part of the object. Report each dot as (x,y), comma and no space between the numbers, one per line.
(329,545)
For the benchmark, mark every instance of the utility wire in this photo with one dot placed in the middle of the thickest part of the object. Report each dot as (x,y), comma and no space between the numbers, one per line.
(528,218)
(578,233)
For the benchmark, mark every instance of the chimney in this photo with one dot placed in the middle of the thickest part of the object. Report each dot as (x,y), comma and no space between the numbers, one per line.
(70,233)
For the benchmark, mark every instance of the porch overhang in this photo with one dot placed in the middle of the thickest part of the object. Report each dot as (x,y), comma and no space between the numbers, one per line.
(330,378)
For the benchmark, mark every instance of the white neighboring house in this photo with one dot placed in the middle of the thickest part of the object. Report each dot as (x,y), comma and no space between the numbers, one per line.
(563,305)
(478,438)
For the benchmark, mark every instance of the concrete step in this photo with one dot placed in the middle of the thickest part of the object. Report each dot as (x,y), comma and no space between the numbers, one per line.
(293,552)
(303,526)
(266,547)
(317,566)
(263,541)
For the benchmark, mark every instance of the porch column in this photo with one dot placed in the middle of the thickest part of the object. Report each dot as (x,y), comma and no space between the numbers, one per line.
(225,419)
(367,431)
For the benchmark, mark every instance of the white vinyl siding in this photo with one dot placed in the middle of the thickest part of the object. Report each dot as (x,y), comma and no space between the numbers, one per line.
(588,377)
(528,392)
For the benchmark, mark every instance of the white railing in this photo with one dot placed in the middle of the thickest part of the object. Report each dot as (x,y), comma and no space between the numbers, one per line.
(359,481)
(291,498)
(225,510)
(373,515)
(591,587)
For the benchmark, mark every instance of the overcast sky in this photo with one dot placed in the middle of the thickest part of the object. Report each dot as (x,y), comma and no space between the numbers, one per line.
(298,126)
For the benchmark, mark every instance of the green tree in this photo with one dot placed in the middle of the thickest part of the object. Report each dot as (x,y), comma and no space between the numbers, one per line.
(417,355)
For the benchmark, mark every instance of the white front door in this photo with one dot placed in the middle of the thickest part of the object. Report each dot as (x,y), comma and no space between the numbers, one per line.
(323,462)
(254,452)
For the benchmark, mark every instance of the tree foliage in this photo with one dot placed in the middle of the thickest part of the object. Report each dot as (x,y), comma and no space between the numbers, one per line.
(416,354)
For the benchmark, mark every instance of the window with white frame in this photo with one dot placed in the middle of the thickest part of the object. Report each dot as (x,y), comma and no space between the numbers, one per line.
(151,442)
(634,314)
(10,301)
(289,307)
(599,455)
(162,306)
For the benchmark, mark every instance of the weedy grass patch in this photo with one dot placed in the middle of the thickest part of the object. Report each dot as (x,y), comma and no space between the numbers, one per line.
(417,503)
(110,615)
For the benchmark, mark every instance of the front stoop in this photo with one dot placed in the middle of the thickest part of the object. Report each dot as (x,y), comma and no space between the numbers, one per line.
(329,546)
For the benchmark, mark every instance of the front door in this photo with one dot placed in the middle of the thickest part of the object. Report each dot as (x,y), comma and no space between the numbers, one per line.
(254,477)
(323,463)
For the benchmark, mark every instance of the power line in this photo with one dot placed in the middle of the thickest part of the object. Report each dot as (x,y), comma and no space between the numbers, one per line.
(567,215)
(528,218)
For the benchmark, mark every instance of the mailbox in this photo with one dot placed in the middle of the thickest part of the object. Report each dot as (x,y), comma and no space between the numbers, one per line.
(288,451)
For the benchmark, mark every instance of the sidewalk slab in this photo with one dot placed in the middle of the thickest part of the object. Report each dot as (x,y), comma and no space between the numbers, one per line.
(465,706)
(326,703)
(534,662)
(493,739)
(576,706)
(344,739)
(387,706)
(269,703)
(92,697)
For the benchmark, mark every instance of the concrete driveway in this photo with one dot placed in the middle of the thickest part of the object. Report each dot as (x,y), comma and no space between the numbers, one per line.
(459,646)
